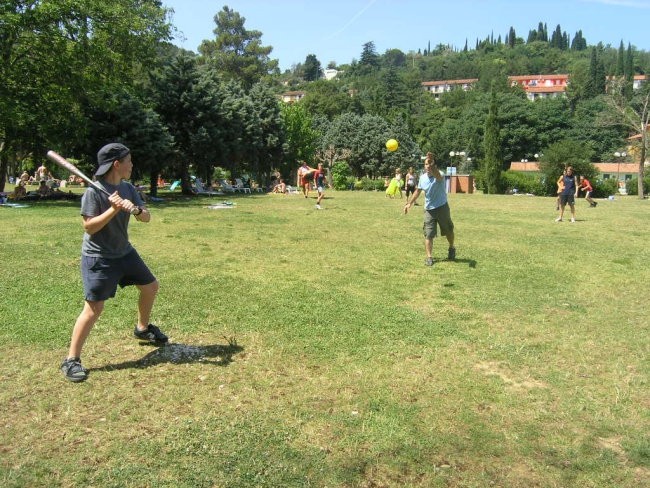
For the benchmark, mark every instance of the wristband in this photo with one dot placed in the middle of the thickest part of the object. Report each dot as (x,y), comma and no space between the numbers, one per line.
(136,211)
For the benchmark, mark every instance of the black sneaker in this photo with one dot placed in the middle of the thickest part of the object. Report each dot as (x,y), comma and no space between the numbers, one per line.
(451,254)
(73,370)
(152,334)
(428,262)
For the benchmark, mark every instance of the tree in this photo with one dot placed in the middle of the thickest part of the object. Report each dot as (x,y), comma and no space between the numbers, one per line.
(369,56)
(236,52)
(56,58)
(365,137)
(394,58)
(620,60)
(137,126)
(597,76)
(312,70)
(512,37)
(326,98)
(266,132)
(492,162)
(579,43)
(561,154)
(189,101)
(300,135)
(632,114)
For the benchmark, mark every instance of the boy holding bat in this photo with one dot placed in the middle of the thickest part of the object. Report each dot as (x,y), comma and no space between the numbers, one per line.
(107,257)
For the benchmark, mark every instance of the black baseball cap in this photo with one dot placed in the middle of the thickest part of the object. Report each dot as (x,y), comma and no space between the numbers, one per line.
(107,155)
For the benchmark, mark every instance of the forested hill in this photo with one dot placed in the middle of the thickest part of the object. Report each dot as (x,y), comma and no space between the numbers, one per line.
(539,52)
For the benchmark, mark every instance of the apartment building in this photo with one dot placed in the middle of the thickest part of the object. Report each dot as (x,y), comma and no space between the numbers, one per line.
(436,88)
(541,86)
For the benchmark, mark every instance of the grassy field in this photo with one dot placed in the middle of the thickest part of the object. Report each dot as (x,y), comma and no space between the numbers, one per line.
(314,348)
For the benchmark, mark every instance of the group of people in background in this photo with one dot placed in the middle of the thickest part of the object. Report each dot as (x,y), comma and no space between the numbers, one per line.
(397,184)
(307,177)
(47,185)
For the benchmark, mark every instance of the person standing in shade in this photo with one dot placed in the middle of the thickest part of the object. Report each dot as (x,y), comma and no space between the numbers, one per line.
(410,182)
(568,194)
(588,189)
(436,209)
(107,257)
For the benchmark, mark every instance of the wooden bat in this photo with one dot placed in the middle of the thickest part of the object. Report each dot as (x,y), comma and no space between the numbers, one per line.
(65,164)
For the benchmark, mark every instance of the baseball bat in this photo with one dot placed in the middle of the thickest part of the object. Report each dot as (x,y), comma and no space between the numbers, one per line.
(65,164)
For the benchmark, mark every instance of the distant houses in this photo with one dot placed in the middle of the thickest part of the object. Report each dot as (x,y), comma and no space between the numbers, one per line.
(292,96)
(535,86)
(436,88)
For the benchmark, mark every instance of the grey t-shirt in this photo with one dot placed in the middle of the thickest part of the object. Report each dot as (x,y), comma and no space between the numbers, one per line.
(113,240)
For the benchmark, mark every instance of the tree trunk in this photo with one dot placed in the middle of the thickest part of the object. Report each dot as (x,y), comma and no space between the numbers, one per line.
(641,164)
(4,164)
(153,184)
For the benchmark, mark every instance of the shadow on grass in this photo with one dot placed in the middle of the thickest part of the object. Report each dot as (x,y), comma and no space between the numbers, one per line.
(470,262)
(181,354)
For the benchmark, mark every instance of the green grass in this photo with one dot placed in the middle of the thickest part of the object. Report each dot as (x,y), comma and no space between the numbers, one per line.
(314,348)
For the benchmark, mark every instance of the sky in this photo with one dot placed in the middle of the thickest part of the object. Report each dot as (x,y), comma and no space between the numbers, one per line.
(336,30)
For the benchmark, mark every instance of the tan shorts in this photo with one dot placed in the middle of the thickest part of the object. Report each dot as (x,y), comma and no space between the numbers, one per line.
(437,217)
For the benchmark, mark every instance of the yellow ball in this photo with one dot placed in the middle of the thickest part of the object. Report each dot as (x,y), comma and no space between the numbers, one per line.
(392,145)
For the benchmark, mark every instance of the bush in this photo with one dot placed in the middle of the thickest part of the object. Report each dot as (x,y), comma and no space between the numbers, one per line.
(524,183)
(632,186)
(341,175)
(604,188)
(370,184)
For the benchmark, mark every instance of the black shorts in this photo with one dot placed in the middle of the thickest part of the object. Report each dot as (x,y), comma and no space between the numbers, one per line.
(101,276)
(564,199)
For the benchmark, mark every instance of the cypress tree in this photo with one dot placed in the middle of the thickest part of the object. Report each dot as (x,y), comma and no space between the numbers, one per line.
(492,148)
(628,72)
(620,60)
(512,37)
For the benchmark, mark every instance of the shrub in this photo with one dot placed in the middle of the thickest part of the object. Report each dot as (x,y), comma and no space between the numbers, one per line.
(368,184)
(341,175)
(632,185)
(604,188)
(524,183)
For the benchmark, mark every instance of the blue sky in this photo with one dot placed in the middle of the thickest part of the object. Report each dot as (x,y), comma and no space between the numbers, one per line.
(335,30)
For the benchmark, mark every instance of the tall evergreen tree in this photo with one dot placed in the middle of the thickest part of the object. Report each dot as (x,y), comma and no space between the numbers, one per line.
(629,63)
(628,72)
(512,37)
(556,38)
(236,52)
(312,70)
(620,60)
(579,43)
(596,80)
(491,166)
(369,56)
